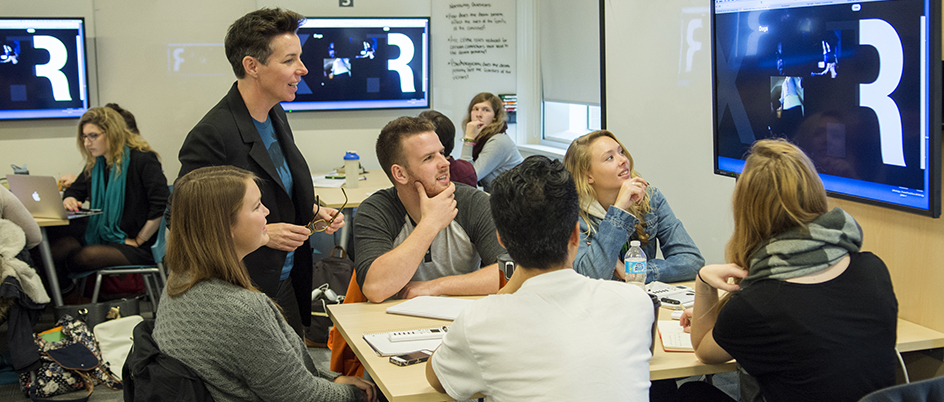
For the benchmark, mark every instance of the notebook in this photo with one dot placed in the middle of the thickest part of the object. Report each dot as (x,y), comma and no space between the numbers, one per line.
(674,338)
(441,308)
(40,195)
(382,345)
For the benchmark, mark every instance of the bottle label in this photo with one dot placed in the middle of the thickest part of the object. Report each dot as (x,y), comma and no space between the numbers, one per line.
(635,267)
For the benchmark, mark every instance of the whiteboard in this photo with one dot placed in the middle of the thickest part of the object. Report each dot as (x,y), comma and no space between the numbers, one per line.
(472,50)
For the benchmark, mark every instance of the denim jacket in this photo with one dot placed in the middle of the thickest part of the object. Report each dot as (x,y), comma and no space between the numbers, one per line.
(599,250)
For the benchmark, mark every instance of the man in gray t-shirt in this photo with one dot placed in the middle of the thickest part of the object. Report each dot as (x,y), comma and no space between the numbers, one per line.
(425,235)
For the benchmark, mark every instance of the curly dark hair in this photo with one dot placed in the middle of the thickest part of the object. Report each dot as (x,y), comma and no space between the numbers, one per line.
(535,209)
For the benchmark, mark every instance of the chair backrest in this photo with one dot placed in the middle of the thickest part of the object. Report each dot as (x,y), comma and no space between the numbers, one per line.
(160,245)
(919,391)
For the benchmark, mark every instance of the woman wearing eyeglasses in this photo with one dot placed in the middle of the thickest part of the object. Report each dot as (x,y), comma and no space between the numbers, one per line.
(123,178)
(214,320)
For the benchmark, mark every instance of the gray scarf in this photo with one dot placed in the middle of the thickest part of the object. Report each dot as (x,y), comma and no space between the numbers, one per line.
(802,251)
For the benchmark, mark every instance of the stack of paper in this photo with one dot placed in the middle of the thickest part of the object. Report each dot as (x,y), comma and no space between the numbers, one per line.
(381,344)
(672,296)
(442,308)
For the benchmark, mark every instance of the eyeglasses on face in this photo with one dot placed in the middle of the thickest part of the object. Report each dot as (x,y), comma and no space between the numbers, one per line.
(92,136)
(320,225)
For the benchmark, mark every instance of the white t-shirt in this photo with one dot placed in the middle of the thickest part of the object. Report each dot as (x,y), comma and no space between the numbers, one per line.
(560,337)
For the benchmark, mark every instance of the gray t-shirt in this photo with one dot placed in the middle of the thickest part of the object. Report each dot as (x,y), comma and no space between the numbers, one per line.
(467,244)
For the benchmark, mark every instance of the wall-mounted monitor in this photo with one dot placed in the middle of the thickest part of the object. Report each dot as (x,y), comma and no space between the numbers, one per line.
(42,68)
(363,63)
(855,84)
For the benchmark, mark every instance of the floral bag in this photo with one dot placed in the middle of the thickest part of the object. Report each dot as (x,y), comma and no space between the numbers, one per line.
(70,364)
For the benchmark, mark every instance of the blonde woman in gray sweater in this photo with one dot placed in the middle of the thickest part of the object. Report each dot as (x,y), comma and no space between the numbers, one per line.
(214,320)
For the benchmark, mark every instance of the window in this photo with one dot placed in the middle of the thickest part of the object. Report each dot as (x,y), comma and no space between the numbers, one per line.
(570,69)
(564,122)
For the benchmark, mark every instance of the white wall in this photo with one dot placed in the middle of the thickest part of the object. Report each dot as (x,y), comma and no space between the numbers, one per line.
(133,42)
(661,110)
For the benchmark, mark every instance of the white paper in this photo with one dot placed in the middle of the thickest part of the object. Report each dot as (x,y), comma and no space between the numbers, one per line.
(443,308)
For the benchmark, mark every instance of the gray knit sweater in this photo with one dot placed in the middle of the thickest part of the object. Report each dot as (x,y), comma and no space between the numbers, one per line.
(237,341)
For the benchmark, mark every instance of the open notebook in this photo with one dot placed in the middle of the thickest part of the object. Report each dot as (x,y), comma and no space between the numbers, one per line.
(674,338)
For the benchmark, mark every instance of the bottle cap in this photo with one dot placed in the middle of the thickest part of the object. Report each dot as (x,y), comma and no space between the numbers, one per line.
(351,156)
(634,243)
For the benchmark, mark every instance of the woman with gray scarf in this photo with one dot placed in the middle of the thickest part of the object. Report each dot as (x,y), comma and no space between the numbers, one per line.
(808,315)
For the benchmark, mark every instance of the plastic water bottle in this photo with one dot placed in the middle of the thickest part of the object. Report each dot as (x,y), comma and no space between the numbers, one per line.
(635,261)
(352,169)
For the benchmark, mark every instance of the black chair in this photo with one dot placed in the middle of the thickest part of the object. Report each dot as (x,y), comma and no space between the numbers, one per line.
(151,376)
(931,389)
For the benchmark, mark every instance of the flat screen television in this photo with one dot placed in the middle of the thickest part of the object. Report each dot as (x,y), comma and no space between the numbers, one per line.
(363,63)
(855,84)
(42,68)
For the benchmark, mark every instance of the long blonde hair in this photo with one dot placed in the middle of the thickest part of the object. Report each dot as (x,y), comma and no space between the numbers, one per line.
(114,129)
(578,160)
(778,190)
(204,206)
(497,126)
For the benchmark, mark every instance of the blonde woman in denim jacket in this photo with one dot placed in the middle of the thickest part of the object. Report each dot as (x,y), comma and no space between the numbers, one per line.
(618,206)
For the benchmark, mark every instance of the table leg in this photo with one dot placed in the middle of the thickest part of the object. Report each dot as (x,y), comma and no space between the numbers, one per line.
(346,230)
(51,276)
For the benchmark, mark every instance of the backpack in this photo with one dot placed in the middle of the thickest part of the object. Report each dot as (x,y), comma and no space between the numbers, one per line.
(329,280)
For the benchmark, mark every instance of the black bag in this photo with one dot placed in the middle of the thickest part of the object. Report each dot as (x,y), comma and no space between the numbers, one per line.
(94,313)
(329,279)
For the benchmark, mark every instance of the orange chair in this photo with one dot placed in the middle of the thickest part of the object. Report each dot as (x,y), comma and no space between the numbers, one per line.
(343,359)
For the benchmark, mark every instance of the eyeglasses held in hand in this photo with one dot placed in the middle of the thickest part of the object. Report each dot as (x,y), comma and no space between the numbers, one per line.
(320,225)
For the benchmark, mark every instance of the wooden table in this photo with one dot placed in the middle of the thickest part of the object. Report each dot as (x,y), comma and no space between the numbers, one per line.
(409,383)
(332,197)
(46,255)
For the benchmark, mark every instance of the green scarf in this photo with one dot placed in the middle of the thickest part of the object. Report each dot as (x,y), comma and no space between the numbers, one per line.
(103,228)
(802,251)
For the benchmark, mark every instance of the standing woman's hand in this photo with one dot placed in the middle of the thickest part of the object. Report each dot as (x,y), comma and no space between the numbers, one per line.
(632,192)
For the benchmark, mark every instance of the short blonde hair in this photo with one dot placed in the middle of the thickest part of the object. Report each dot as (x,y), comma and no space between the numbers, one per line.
(204,204)
(115,130)
(778,190)
(577,161)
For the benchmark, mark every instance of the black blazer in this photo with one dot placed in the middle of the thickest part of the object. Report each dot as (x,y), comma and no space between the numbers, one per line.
(227,136)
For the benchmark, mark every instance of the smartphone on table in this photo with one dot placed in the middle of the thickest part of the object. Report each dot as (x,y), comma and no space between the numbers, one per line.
(411,358)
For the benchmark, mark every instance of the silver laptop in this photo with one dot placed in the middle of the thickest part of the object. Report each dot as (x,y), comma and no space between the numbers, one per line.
(40,195)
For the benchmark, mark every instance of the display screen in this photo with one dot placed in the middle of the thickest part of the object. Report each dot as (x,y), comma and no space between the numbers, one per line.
(42,68)
(855,84)
(363,63)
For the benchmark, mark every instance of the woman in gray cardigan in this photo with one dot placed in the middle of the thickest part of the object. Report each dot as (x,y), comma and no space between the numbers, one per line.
(485,143)
(214,320)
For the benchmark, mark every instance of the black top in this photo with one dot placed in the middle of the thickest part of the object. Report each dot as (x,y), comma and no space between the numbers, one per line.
(145,193)
(227,136)
(832,341)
